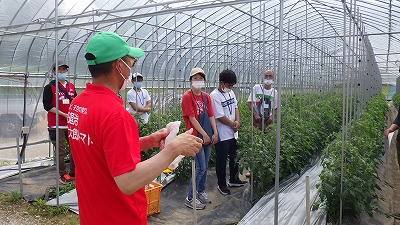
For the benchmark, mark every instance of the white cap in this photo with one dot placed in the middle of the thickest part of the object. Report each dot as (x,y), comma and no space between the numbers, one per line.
(136,75)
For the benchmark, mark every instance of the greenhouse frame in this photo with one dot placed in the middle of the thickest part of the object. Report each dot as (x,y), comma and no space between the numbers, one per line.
(334,61)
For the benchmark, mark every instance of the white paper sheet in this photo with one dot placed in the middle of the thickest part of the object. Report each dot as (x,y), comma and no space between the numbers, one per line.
(390,136)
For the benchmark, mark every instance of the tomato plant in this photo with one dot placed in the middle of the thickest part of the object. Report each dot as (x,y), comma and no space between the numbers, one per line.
(362,152)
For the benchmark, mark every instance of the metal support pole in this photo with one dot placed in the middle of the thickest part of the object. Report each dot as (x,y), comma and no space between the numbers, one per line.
(343,113)
(19,169)
(57,114)
(278,125)
(308,202)
(194,196)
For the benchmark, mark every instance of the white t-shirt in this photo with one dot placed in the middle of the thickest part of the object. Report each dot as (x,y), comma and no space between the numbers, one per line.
(270,98)
(140,98)
(224,104)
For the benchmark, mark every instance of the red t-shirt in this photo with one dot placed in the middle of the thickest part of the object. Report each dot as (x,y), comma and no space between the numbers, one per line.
(104,142)
(192,105)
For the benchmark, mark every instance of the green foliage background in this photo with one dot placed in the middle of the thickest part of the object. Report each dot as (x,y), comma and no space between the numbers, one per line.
(396,100)
(310,123)
(362,152)
(307,122)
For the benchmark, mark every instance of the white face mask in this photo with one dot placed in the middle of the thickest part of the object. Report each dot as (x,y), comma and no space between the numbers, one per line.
(126,81)
(226,90)
(268,82)
(198,84)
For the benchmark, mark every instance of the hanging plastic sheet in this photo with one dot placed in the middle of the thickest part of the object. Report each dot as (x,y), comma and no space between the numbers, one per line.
(291,204)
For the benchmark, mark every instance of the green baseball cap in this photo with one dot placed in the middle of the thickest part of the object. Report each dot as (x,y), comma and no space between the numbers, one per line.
(108,46)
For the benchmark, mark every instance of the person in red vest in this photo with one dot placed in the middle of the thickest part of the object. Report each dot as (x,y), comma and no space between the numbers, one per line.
(66,93)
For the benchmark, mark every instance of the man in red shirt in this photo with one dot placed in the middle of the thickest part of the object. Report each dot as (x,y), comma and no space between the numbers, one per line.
(105,142)
(66,93)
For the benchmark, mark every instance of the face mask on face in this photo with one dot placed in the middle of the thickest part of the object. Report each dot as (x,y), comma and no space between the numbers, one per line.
(62,76)
(268,82)
(126,81)
(198,84)
(226,90)
(137,84)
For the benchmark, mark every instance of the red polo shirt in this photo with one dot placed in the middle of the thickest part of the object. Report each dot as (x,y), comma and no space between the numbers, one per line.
(104,142)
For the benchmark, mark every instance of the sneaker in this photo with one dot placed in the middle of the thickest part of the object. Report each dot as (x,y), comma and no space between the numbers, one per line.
(199,205)
(236,183)
(224,190)
(203,197)
(66,178)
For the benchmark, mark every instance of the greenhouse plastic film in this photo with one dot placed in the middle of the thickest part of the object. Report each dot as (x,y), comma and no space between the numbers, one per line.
(291,204)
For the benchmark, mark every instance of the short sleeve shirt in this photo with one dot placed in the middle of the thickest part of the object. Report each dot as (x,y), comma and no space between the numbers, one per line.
(192,105)
(104,141)
(262,97)
(224,104)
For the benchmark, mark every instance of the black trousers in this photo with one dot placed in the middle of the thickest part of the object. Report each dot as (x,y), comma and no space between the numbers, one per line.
(223,150)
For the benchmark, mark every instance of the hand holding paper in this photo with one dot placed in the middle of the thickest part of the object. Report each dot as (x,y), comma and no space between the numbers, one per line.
(173,128)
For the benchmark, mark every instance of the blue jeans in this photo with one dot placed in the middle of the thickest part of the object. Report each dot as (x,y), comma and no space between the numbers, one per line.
(201,161)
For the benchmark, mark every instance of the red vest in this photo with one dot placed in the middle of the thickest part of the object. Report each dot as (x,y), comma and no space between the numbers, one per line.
(63,103)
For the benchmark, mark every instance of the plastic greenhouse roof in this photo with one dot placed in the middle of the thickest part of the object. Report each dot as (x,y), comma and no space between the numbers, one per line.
(193,30)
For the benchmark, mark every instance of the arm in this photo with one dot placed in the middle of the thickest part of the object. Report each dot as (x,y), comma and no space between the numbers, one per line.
(225,120)
(184,144)
(47,99)
(148,105)
(236,123)
(253,110)
(54,110)
(271,118)
(393,127)
(251,100)
(153,140)
(214,138)
(138,108)
(75,93)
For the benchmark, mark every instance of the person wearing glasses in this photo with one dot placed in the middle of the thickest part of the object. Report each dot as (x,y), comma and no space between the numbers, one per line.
(105,143)
(139,98)
(66,93)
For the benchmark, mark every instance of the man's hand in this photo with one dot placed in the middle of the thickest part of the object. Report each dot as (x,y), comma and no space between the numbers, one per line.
(386,132)
(257,118)
(157,138)
(185,144)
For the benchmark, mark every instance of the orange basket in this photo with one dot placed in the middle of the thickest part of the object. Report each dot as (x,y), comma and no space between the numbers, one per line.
(153,191)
